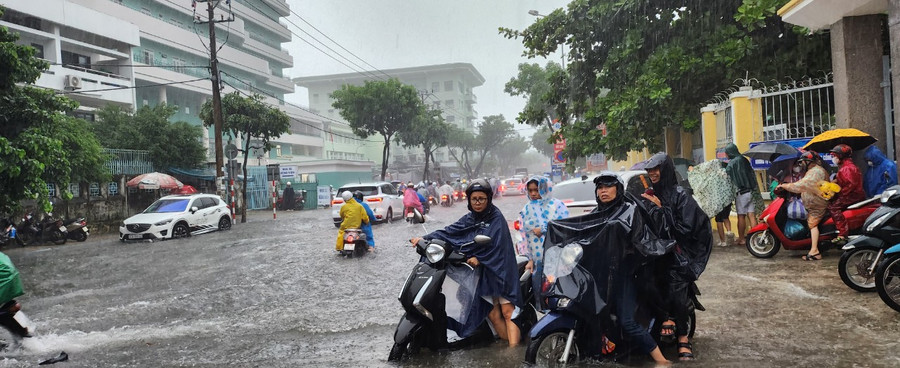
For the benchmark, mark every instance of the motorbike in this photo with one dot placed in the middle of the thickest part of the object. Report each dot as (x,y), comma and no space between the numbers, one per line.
(299,202)
(8,233)
(863,253)
(48,229)
(446,201)
(354,243)
(887,271)
(432,201)
(439,296)
(77,229)
(768,237)
(413,216)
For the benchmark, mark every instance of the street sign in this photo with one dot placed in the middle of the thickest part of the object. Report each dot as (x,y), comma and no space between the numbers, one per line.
(558,148)
(288,172)
(231,151)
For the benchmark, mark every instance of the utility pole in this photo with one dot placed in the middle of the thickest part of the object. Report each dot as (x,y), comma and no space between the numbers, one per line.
(214,74)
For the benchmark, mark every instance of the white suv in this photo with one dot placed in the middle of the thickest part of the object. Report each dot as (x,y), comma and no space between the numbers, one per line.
(579,194)
(177,216)
(382,197)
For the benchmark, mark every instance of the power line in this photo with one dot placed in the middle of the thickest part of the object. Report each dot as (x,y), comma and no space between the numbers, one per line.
(131,87)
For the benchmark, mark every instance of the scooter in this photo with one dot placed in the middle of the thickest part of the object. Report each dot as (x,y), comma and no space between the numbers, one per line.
(413,216)
(8,233)
(446,201)
(77,229)
(766,238)
(354,243)
(48,229)
(437,306)
(299,202)
(863,253)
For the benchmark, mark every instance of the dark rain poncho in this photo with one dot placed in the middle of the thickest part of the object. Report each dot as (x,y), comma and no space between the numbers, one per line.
(739,170)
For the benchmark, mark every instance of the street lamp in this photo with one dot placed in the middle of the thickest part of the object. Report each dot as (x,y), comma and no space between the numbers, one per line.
(562,48)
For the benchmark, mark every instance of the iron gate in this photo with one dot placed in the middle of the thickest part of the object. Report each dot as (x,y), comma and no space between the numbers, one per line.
(259,196)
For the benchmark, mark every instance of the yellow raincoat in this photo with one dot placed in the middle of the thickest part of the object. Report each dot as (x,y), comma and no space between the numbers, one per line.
(353,215)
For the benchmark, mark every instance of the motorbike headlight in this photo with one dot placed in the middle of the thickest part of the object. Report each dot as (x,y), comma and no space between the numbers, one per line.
(887,194)
(563,303)
(163,222)
(878,222)
(434,253)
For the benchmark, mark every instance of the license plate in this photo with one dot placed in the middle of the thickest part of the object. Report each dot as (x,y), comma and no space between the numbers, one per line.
(135,236)
(62,228)
(349,247)
(85,229)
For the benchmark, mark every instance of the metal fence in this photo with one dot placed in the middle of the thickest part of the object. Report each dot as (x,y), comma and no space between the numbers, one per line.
(259,196)
(800,109)
(128,162)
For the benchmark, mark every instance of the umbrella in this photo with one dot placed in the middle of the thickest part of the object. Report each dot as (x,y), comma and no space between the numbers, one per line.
(154,180)
(782,165)
(186,189)
(769,151)
(856,139)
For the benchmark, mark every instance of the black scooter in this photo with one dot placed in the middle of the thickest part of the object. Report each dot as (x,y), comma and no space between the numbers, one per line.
(77,229)
(435,303)
(863,253)
(48,229)
(354,243)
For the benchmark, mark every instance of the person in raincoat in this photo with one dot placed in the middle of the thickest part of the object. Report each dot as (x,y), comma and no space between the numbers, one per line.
(741,174)
(10,288)
(411,199)
(808,188)
(499,283)
(353,215)
(689,226)
(642,243)
(366,226)
(289,197)
(882,173)
(535,216)
(851,190)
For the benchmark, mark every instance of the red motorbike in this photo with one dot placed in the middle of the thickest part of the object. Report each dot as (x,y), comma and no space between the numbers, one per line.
(766,238)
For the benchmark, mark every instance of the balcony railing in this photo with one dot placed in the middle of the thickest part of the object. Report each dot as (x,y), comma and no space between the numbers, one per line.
(128,162)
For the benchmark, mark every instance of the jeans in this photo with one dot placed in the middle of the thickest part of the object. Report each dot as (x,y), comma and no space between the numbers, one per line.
(625,309)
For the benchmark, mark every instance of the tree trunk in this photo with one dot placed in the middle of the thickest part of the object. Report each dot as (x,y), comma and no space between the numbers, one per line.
(425,174)
(385,152)
(244,187)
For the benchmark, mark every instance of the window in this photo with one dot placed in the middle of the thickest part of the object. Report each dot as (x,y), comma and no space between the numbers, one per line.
(113,188)
(178,65)
(146,11)
(435,86)
(94,190)
(38,50)
(448,103)
(436,105)
(461,89)
(147,57)
(89,116)
(448,86)
(75,189)
(71,58)
(51,189)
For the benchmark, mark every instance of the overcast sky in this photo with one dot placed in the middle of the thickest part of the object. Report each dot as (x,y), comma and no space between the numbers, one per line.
(394,34)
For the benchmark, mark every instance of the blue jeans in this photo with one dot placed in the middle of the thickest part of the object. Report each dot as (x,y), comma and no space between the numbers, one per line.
(625,308)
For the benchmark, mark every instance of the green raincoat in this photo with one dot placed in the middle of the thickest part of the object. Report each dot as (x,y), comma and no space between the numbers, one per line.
(10,285)
(739,170)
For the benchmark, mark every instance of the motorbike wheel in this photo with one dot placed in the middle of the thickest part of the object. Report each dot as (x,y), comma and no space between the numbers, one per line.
(78,235)
(546,350)
(57,237)
(762,244)
(854,269)
(887,281)
(397,352)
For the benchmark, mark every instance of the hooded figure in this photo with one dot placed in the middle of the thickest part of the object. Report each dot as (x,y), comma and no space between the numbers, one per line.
(851,189)
(689,226)
(535,217)
(739,170)
(366,226)
(288,195)
(499,278)
(411,199)
(882,173)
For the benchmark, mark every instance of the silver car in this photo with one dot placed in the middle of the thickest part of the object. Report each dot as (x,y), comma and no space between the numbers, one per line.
(579,197)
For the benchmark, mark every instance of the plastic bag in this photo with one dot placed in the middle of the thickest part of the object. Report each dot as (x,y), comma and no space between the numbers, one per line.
(795,230)
(796,210)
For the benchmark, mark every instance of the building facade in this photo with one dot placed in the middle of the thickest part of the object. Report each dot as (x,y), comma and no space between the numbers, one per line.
(447,87)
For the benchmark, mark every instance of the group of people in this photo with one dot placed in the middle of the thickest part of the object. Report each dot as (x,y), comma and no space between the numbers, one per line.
(665,211)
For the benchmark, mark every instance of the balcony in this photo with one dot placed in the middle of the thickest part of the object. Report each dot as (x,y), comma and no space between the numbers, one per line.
(90,82)
(470,98)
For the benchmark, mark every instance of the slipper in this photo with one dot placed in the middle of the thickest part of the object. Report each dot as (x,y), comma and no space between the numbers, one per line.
(812,257)
(687,355)
(667,325)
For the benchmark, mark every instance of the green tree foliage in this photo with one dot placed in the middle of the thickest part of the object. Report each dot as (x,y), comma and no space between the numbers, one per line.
(466,147)
(659,61)
(509,154)
(533,83)
(430,133)
(39,144)
(461,145)
(252,119)
(171,144)
(541,141)
(379,107)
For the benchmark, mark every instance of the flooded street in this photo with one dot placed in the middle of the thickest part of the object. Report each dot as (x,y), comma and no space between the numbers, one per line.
(272,293)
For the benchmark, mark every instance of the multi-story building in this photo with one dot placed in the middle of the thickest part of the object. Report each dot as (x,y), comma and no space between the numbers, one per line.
(157,49)
(447,87)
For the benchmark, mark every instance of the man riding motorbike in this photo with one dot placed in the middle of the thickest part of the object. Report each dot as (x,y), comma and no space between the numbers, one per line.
(850,180)
(353,215)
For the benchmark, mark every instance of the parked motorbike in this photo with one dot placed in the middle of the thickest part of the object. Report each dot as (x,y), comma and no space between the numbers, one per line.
(299,202)
(439,297)
(354,243)
(77,229)
(8,233)
(766,238)
(48,229)
(863,253)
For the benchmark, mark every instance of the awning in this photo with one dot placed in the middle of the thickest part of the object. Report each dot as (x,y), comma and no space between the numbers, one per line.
(202,174)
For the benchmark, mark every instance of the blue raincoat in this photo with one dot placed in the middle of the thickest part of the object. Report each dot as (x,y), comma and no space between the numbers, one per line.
(882,173)
(538,214)
(367,226)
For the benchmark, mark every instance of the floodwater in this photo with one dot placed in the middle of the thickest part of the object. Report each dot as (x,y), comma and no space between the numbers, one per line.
(272,293)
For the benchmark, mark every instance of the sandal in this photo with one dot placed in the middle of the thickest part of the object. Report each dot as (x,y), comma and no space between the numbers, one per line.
(685,355)
(667,325)
(812,257)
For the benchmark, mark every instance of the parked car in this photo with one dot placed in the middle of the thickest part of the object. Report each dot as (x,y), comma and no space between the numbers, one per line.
(177,216)
(382,197)
(512,186)
(578,194)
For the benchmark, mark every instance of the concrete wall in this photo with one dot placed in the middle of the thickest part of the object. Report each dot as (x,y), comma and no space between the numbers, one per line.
(856,54)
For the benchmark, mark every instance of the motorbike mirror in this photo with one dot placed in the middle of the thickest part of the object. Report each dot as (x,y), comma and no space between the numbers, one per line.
(482,239)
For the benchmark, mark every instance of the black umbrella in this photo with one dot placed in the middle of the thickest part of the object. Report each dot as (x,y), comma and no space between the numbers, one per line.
(769,151)
(782,165)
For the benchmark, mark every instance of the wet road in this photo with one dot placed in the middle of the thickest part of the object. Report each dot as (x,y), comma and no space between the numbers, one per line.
(272,294)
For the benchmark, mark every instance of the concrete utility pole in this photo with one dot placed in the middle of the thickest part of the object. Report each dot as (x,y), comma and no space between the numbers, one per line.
(214,75)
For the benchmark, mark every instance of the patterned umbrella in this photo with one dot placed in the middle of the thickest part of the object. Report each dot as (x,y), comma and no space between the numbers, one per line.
(154,180)
(854,138)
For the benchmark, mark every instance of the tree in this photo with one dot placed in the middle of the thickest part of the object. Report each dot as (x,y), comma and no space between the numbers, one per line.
(465,146)
(379,107)
(171,144)
(460,144)
(541,141)
(430,132)
(659,60)
(36,146)
(251,119)
(533,83)
(510,152)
